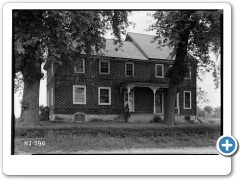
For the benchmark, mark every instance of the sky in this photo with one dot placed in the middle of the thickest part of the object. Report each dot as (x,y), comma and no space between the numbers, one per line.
(142,22)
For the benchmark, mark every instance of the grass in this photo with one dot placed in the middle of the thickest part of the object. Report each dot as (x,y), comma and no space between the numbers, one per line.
(210,120)
(67,143)
(73,143)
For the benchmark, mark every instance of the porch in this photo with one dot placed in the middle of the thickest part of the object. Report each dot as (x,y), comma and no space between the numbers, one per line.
(146,98)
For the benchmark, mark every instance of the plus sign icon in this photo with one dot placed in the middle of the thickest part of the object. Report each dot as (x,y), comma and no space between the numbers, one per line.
(227,145)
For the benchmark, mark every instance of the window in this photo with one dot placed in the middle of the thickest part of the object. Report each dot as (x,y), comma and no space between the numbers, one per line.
(52,96)
(159,70)
(187,99)
(188,75)
(80,66)
(104,96)
(129,69)
(79,94)
(104,67)
(177,101)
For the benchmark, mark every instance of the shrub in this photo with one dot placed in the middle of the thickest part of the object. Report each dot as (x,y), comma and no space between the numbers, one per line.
(44,113)
(157,119)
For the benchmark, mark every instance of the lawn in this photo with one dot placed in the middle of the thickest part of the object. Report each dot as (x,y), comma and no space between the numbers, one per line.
(72,137)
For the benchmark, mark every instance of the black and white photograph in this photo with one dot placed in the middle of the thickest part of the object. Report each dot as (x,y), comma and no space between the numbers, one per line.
(117,81)
(121,88)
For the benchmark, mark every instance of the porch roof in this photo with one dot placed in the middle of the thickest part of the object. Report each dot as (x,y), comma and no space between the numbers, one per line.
(144,84)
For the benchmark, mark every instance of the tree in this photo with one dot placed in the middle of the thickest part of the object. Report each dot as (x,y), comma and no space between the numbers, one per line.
(208,109)
(192,35)
(201,96)
(217,112)
(200,112)
(41,35)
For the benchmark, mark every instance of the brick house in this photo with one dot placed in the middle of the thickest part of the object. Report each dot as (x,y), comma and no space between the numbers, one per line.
(101,86)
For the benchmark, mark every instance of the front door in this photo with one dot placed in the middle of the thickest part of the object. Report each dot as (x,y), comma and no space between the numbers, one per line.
(159,102)
(131,99)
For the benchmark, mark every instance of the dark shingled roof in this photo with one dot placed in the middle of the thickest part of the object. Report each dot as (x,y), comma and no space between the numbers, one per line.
(128,50)
(150,47)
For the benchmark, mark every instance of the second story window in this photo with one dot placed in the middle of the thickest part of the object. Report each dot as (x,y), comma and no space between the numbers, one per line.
(80,66)
(159,70)
(104,67)
(129,69)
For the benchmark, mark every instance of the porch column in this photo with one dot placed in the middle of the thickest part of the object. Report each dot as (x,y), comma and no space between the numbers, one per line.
(128,91)
(154,89)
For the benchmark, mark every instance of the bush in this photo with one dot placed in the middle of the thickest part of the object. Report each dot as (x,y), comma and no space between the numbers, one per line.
(157,119)
(210,130)
(44,113)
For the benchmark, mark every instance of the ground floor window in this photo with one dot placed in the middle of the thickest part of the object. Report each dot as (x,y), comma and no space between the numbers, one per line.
(104,96)
(79,94)
(187,99)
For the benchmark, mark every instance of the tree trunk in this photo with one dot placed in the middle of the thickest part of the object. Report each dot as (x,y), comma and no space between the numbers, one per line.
(169,115)
(176,76)
(30,105)
(30,99)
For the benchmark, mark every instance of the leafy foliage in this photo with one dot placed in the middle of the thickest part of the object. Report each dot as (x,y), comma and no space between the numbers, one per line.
(208,109)
(43,34)
(201,96)
(191,35)
(203,29)
(44,113)
(157,119)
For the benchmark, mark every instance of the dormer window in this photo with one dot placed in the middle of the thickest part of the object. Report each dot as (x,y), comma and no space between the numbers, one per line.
(80,66)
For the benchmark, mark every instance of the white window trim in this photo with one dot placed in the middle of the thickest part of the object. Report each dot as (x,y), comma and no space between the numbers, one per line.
(75,69)
(190,73)
(184,100)
(100,66)
(126,69)
(85,94)
(52,96)
(177,100)
(109,92)
(156,65)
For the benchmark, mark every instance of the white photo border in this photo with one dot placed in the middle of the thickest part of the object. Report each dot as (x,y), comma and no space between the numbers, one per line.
(120,164)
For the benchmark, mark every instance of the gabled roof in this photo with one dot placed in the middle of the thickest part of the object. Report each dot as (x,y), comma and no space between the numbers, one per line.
(148,46)
(128,50)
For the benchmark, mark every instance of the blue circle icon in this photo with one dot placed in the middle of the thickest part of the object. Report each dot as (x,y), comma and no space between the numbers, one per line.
(227,145)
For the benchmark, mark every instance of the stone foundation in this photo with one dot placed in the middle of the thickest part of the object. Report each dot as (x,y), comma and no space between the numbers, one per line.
(135,118)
